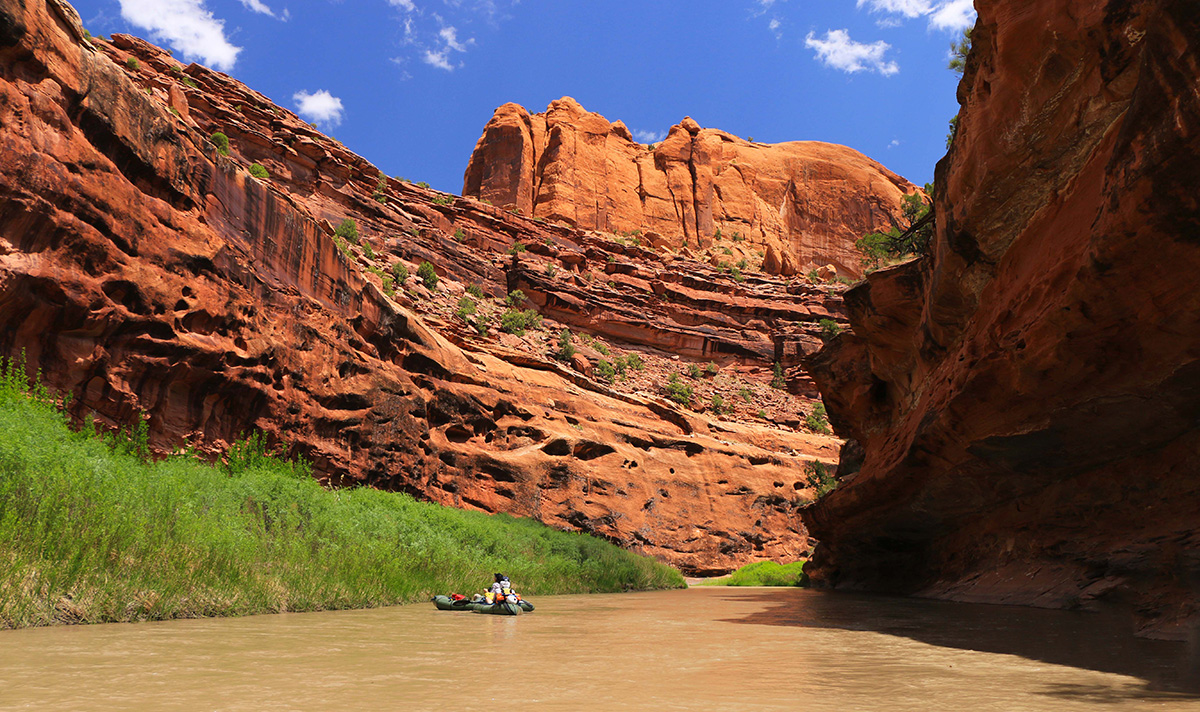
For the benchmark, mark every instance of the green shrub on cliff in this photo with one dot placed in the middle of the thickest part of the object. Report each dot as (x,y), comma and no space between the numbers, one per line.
(466,307)
(517,321)
(401,272)
(221,141)
(818,476)
(428,275)
(132,63)
(566,349)
(347,230)
(259,172)
(605,371)
(91,532)
(678,391)
(829,328)
(818,420)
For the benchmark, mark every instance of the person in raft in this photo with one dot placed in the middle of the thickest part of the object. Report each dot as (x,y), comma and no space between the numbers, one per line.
(501,590)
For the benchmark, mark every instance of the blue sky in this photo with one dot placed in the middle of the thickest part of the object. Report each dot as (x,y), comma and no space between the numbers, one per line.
(409,84)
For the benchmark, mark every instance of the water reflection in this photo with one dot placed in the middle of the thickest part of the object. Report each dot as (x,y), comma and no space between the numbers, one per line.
(1102,642)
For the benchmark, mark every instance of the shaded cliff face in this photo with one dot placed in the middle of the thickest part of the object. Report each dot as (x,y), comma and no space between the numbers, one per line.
(148,274)
(804,202)
(1026,398)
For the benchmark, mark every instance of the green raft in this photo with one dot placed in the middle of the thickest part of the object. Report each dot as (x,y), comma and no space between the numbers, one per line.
(445,603)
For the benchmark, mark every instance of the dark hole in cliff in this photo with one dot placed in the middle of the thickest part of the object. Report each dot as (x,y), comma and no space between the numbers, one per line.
(503,408)
(879,392)
(505,492)
(557,447)
(761,460)
(592,450)
(640,443)
(498,473)
(198,322)
(447,457)
(559,476)
(155,330)
(458,434)
(690,448)
(527,432)
(420,363)
(127,295)
(195,264)
(797,485)
(181,305)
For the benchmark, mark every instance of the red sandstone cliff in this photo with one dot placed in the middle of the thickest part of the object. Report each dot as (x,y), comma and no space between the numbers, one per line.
(804,203)
(1026,397)
(146,273)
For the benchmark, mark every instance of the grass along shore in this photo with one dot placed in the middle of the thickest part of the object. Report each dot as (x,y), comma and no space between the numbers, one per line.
(764,573)
(91,532)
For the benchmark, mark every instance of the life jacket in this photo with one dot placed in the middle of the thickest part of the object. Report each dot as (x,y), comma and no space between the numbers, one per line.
(456,597)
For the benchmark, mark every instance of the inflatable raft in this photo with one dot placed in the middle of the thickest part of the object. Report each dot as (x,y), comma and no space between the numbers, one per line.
(503,608)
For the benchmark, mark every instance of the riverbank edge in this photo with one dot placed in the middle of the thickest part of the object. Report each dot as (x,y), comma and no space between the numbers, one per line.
(92,531)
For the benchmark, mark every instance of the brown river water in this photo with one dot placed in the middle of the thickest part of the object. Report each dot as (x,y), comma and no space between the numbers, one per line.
(699,649)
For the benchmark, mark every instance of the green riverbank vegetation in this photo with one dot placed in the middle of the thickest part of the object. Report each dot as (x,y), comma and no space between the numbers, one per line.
(93,531)
(764,573)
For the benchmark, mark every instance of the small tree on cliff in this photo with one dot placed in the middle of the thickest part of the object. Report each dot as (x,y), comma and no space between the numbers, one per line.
(959,51)
(221,141)
(347,230)
(901,240)
(428,275)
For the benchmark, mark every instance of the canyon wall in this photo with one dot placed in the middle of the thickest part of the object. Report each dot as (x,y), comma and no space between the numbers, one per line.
(153,277)
(803,202)
(1023,403)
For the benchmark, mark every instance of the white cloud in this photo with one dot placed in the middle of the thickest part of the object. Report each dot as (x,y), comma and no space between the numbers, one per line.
(907,8)
(643,136)
(437,33)
(945,15)
(837,50)
(953,16)
(439,59)
(187,26)
(449,35)
(257,6)
(895,142)
(319,106)
(774,26)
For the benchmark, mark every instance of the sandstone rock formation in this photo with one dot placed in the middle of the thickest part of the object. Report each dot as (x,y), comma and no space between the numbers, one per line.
(804,202)
(1023,403)
(146,273)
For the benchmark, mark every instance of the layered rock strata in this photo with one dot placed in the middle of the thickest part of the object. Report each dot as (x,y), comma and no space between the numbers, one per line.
(1024,400)
(152,276)
(804,203)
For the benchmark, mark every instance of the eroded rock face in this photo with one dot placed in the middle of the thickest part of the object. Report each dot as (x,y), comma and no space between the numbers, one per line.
(148,274)
(803,202)
(1026,398)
